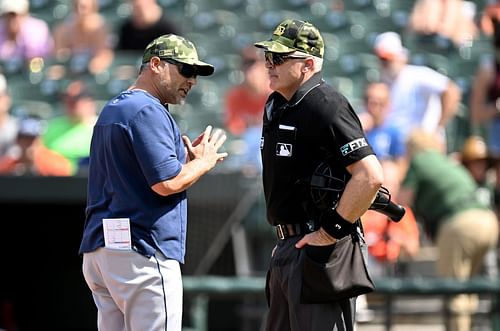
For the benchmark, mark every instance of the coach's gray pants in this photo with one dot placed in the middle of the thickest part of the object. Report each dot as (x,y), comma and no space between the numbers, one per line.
(133,292)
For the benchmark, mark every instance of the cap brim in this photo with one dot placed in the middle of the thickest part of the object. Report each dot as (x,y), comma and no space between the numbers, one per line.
(274,46)
(203,68)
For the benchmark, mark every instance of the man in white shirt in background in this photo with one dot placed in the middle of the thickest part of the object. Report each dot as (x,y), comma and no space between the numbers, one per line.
(420,96)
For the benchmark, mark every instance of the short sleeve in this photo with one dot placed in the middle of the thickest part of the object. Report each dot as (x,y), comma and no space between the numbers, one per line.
(350,141)
(431,80)
(155,140)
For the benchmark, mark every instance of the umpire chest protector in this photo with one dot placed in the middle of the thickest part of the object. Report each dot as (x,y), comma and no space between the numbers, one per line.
(297,135)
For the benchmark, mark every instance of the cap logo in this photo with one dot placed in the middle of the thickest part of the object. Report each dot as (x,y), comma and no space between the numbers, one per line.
(279,30)
(294,35)
(166,52)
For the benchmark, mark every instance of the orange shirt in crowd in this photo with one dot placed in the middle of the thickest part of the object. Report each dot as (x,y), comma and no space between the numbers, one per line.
(45,163)
(386,239)
(244,109)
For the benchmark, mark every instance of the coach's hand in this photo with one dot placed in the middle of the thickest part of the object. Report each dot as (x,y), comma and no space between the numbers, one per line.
(206,146)
(316,238)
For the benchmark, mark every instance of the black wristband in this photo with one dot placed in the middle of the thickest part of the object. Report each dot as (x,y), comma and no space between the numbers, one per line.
(335,225)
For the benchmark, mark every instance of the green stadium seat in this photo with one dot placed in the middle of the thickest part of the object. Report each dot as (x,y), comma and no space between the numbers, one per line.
(332,45)
(244,39)
(458,129)
(363,5)
(224,63)
(334,21)
(229,5)
(406,5)
(270,19)
(29,99)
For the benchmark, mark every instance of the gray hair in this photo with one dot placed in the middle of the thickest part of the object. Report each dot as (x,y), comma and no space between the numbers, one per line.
(318,62)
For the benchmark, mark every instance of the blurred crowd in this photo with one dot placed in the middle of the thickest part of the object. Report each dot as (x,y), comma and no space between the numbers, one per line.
(58,145)
(408,105)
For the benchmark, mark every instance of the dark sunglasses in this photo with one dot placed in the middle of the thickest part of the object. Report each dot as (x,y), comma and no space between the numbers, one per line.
(186,70)
(276,59)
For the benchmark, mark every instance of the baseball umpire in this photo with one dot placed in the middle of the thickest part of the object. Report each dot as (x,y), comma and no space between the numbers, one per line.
(305,122)
(135,229)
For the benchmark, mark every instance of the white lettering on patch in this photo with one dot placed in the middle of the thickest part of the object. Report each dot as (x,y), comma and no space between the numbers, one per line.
(352,146)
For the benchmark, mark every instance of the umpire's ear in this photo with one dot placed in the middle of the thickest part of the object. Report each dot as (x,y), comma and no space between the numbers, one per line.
(309,65)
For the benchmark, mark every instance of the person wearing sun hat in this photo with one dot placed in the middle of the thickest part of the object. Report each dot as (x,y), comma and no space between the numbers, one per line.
(140,167)
(306,122)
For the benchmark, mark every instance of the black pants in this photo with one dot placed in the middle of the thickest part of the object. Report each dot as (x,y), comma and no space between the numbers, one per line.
(286,312)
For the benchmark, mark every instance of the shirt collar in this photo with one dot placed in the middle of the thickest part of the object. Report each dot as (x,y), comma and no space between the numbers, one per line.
(277,101)
(313,82)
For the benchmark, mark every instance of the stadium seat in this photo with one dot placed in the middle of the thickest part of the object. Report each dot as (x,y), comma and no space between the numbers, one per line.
(334,21)
(364,5)
(229,5)
(29,99)
(270,19)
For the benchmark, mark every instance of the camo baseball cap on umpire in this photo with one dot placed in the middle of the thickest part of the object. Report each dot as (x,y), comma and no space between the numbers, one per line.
(294,35)
(176,48)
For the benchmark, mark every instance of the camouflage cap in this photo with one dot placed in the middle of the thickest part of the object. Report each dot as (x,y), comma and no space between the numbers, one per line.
(294,35)
(176,48)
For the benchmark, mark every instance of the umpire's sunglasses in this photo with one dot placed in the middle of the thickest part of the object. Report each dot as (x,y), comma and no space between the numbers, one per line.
(186,70)
(276,59)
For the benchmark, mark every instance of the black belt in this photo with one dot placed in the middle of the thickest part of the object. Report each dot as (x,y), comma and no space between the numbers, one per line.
(284,231)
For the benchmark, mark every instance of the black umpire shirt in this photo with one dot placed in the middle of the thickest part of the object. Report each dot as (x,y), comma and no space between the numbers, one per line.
(318,122)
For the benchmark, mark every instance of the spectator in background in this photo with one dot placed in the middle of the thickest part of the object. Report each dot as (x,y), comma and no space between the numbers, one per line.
(244,104)
(476,159)
(449,19)
(386,239)
(22,36)
(147,21)
(84,38)
(70,133)
(485,100)
(443,194)
(385,138)
(420,96)
(30,157)
(8,123)
(490,13)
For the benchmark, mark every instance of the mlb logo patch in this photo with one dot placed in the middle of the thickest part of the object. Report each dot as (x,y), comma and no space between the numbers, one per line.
(283,149)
